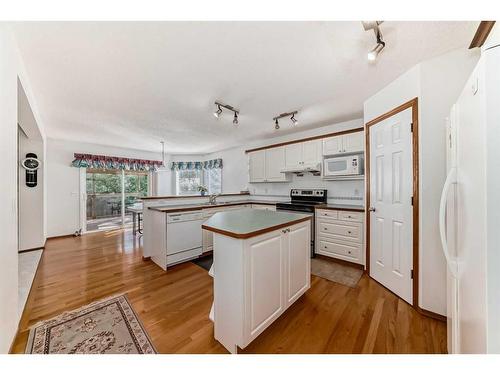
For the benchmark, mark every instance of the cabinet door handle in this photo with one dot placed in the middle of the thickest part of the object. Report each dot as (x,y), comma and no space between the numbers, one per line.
(349,232)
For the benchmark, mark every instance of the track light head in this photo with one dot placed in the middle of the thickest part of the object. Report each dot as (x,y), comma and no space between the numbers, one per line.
(276,124)
(372,55)
(294,120)
(235,119)
(218,112)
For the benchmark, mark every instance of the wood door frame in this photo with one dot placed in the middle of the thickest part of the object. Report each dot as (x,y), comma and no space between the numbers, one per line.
(413,104)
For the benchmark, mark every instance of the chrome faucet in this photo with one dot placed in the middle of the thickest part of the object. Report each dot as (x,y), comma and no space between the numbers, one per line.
(212,199)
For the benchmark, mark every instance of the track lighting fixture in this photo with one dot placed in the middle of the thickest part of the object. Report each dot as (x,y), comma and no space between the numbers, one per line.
(286,114)
(374,25)
(228,107)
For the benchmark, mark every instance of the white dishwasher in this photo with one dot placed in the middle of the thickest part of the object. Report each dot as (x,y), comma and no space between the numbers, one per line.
(184,236)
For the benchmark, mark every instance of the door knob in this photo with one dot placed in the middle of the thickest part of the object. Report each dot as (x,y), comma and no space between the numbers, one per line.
(372,209)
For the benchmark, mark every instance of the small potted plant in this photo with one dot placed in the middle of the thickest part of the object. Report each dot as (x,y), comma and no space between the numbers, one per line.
(202,189)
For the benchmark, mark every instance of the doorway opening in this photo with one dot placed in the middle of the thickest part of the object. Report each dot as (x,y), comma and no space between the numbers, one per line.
(375,185)
(108,196)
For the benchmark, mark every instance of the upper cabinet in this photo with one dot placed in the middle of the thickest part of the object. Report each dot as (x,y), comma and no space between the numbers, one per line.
(303,154)
(257,166)
(266,165)
(344,144)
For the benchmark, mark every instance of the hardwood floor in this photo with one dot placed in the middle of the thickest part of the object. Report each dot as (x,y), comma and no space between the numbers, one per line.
(174,305)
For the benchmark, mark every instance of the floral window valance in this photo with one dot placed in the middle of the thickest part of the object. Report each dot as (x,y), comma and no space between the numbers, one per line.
(111,162)
(196,165)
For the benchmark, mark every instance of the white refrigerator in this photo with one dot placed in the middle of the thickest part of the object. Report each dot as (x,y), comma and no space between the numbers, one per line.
(469,221)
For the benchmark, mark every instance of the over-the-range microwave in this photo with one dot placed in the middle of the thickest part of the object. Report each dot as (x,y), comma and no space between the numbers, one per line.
(351,165)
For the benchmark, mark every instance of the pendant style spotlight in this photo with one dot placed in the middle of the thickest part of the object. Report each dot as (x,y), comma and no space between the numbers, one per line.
(374,25)
(235,119)
(286,114)
(218,112)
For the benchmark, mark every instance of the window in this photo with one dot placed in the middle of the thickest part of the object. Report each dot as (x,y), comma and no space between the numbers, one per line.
(188,181)
(213,180)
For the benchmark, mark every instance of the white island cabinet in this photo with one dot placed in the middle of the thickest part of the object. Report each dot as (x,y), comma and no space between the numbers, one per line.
(261,267)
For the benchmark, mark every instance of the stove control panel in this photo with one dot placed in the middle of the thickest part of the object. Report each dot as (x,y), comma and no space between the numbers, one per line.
(313,195)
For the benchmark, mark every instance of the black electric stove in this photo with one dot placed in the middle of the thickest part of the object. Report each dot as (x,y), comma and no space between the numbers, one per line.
(304,201)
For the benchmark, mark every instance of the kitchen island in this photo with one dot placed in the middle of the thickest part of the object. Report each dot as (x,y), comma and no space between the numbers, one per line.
(261,267)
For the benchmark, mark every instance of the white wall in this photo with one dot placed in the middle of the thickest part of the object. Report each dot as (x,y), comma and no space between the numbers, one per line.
(63,190)
(11,68)
(235,170)
(437,83)
(31,205)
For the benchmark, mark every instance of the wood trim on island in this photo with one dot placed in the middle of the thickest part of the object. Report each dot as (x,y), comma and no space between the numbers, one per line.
(191,196)
(306,139)
(244,236)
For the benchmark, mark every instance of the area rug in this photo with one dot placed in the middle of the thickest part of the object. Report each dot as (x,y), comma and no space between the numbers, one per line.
(339,273)
(108,326)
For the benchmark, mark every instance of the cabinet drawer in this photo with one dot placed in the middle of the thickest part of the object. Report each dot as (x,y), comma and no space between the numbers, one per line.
(340,248)
(330,214)
(183,256)
(351,216)
(348,231)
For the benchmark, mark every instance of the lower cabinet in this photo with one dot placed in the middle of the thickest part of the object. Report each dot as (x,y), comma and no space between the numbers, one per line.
(340,234)
(256,280)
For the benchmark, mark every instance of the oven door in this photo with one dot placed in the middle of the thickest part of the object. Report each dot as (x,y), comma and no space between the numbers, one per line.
(313,235)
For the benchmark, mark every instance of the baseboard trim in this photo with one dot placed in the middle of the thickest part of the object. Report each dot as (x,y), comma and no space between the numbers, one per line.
(32,249)
(28,300)
(57,237)
(341,261)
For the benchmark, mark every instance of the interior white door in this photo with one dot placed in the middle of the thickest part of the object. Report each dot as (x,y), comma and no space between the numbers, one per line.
(391,187)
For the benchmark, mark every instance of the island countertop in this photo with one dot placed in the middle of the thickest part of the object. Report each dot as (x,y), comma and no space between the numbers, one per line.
(247,223)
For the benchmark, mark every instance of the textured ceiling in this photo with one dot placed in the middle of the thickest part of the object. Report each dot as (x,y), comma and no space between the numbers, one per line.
(133,84)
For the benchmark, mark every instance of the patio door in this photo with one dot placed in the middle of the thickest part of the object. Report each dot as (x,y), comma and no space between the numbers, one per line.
(109,193)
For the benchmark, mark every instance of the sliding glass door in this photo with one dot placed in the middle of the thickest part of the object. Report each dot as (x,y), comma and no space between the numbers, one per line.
(109,193)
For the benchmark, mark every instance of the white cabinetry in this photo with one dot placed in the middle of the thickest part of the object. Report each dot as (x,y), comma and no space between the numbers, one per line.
(340,234)
(256,280)
(266,165)
(303,154)
(257,166)
(344,144)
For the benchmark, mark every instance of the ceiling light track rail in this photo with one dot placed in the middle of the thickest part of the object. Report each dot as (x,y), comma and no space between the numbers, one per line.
(283,115)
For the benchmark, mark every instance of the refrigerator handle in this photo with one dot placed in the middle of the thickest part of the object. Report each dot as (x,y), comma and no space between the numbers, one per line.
(450,179)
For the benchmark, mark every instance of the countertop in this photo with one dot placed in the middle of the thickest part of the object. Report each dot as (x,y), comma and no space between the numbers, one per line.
(341,207)
(204,205)
(249,223)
